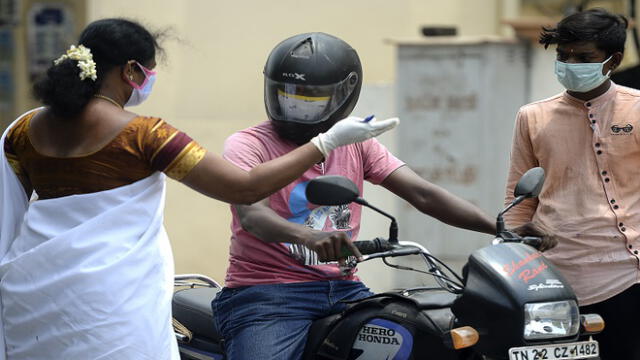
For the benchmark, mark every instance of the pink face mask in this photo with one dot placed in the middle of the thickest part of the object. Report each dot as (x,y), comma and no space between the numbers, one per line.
(141,92)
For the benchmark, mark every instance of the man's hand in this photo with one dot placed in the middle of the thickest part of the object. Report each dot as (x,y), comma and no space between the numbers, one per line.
(331,246)
(549,241)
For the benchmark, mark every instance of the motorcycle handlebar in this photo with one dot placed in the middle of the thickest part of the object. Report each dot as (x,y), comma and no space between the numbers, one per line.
(376,245)
(532,241)
(381,248)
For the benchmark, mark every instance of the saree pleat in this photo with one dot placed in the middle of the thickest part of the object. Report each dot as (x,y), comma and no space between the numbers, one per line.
(13,205)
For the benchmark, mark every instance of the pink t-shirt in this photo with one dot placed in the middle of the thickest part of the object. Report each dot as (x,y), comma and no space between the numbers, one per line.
(253,261)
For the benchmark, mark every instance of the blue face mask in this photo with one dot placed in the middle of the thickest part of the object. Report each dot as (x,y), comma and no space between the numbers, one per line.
(581,77)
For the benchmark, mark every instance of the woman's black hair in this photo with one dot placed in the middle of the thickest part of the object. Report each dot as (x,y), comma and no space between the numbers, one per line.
(608,31)
(113,42)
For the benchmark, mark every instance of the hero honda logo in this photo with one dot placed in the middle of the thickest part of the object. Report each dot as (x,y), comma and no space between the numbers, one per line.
(295,76)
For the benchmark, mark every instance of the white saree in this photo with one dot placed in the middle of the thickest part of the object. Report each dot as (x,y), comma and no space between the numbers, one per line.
(85,276)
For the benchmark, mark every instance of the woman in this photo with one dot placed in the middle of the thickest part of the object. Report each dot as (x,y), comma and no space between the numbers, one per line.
(86,269)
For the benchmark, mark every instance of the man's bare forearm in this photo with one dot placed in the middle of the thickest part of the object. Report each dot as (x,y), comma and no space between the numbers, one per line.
(265,224)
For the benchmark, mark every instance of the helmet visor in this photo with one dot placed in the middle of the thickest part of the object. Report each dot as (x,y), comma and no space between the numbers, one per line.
(306,104)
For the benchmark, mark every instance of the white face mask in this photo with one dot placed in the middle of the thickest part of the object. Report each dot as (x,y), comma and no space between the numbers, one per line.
(140,93)
(581,77)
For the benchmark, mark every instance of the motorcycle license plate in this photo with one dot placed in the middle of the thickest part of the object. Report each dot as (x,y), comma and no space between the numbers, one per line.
(574,350)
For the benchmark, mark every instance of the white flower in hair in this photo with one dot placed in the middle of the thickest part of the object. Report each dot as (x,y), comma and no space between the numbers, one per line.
(85,61)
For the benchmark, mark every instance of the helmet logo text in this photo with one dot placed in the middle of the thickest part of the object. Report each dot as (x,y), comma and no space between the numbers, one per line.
(295,76)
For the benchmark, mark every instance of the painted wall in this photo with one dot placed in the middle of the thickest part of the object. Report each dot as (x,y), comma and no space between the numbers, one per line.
(22,83)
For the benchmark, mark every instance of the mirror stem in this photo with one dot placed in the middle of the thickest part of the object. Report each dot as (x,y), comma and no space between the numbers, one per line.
(499,224)
(393,228)
(393,232)
(500,220)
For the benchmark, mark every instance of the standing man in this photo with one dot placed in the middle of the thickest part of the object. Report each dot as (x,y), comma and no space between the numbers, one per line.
(278,281)
(588,141)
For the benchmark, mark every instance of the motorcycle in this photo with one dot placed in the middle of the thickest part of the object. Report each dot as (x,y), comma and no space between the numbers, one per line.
(510,303)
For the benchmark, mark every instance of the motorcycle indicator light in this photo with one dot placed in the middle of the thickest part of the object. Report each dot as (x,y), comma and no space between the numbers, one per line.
(591,323)
(463,337)
(548,320)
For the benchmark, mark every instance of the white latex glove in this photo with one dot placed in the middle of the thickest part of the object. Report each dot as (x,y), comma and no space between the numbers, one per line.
(351,130)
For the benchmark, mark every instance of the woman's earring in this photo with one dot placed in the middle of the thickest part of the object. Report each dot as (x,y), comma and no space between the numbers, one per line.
(130,77)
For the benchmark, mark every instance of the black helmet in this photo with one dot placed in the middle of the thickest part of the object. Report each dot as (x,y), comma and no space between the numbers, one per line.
(311,78)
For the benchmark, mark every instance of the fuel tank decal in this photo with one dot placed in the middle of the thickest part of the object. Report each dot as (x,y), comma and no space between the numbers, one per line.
(515,266)
(549,284)
(525,274)
(381,339)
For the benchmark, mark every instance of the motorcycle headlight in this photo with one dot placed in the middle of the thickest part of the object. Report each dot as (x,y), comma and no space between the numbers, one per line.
(551,320)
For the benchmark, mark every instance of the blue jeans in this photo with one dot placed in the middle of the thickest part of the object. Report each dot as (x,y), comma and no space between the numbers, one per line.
(272,321)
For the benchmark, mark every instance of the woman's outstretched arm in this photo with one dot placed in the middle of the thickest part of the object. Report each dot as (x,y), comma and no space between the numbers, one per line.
(217,178)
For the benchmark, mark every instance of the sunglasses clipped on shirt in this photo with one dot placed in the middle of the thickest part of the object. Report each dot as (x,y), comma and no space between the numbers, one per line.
(627,128)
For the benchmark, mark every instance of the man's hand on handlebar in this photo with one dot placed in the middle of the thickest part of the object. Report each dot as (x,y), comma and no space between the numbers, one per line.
(548,241)
(332,246)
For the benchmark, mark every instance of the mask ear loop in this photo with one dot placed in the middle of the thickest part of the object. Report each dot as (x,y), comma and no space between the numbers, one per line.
(147,74)
(606,61)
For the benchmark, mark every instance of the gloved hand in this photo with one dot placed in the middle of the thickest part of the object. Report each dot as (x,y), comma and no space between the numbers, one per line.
(351,130)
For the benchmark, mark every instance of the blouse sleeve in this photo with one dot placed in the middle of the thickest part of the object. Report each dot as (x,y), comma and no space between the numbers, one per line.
(169,150)
(14,136)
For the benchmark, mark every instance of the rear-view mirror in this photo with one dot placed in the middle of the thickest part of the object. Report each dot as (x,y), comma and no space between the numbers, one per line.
(530,183)
(331,190)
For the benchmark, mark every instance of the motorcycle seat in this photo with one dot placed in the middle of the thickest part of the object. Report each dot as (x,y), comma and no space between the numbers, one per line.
(192,307)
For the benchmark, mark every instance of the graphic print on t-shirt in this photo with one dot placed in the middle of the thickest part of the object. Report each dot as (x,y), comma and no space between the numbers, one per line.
(339,219)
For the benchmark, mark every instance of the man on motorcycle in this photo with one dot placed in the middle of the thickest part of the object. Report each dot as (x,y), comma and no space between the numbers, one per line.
(585,139)
(278,282)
